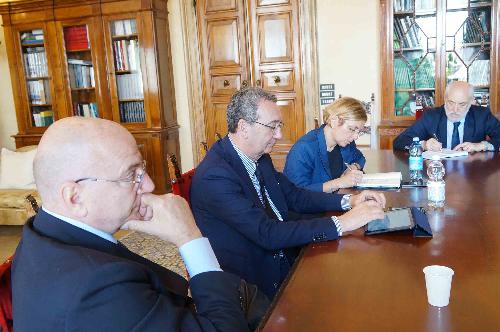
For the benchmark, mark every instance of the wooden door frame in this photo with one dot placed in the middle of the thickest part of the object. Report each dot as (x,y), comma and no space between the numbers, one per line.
(308,58)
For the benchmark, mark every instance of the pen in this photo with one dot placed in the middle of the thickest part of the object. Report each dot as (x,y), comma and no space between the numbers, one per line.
(435,137)
(348,166)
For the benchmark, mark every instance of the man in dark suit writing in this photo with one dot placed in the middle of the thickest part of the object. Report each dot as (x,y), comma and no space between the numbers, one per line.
(241,203)
(69,273)
(456,125)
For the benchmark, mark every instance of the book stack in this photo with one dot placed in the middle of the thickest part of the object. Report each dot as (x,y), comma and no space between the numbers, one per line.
(406,32)
(126,55)
(81,74)
(479,72)
(402,74)
(124,27)
(403,5)
(88,110)
(39,92)
(476,27)
(132,111)
(43,118)
(425,75)
(130,86)
(34,36)
(76,38)
(35,62)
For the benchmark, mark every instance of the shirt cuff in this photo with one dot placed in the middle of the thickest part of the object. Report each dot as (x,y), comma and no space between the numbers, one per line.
(199,257)
(344,203)
(337,223)
(489,146)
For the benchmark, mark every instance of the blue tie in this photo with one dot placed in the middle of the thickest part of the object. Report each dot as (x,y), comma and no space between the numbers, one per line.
(455,139)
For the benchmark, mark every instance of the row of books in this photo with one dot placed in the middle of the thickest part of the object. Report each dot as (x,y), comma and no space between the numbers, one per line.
(35,62)
(124,27)
(403,5)
(479,72)
(126,54)
(403,75)
(427,100)
(130,86)
(88,110)
(406,33)
(30,37)
(76,38)
(39,92)
(81,74)
(476,27)
(132,111)
(425,75)
(43,118)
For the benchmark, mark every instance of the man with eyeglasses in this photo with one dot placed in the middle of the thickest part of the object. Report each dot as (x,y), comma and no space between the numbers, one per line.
(241,203)
(70,273)
(457,125)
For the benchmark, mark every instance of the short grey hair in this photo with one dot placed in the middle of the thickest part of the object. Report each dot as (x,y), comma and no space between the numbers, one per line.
(244,104)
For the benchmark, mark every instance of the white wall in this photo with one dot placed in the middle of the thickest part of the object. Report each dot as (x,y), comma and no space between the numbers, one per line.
(8,123)
(179,66)
(349,48)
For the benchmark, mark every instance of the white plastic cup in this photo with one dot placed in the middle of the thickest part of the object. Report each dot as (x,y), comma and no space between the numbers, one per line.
(438,284)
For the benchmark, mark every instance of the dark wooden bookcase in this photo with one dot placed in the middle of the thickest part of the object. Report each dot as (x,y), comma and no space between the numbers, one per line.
(107,58)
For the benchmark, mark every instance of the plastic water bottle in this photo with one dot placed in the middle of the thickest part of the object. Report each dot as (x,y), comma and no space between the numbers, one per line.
(416,161)
(435,185)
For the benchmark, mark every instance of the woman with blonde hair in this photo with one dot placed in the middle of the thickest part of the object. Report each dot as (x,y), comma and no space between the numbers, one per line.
(327,159)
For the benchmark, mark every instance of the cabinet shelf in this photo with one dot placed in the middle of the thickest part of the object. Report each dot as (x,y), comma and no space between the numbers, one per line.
(121,37)
(79,50)
(40,105)
(91,88)
(411,90)
(37,78)
(476,44)
(130,100)
(37,44)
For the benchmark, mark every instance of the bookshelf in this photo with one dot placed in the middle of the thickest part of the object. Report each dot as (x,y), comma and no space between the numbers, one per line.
(428,43)
(107,59)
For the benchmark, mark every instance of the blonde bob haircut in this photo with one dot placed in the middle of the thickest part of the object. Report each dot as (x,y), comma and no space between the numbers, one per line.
(345,108)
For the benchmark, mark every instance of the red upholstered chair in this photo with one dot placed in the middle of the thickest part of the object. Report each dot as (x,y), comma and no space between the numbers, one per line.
(181,183)
(6,323)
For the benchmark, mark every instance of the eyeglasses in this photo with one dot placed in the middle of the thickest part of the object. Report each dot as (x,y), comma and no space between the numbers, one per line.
(137,181)
(274,128)
(355,131)
(452,104)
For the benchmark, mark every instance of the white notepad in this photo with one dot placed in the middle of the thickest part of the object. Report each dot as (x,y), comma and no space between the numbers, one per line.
(381,180)
(444,153)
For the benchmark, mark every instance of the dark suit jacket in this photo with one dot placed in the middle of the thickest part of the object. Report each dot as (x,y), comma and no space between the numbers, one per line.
(229,212)
(67,279)
(479,123)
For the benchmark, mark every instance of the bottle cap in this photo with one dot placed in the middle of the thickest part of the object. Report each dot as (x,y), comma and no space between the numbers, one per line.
(416,139)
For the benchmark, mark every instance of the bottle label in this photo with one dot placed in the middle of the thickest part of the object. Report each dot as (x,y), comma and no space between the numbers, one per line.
(416,163)
(435,191)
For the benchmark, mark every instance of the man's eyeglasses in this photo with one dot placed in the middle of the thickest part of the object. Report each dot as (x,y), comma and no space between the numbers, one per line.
(136,181)
(274,128)
(452,104)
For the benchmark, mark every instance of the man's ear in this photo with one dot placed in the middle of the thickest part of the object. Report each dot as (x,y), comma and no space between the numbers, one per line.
(71,195)
(243,127)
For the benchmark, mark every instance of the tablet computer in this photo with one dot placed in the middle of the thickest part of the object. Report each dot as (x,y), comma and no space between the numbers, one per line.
(396,219)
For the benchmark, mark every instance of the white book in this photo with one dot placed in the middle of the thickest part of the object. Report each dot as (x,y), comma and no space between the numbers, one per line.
(381,180)
(444,153)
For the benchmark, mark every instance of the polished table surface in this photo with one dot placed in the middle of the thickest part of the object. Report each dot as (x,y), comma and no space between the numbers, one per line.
(376,283)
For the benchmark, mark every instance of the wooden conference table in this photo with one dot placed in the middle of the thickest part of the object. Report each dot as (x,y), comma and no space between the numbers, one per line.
(376,283)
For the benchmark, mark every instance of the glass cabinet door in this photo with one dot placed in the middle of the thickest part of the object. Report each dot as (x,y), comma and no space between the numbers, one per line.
(468,45)
(37,77)
(80,69)
(127,69)
(414,47)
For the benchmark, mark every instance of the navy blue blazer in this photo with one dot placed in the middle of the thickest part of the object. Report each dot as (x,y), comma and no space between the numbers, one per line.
(65,278)
(229,212)
(307,162)
(479,123)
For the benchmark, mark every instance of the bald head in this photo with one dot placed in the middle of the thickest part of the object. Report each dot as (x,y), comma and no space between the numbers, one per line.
(460,88)
(74,148)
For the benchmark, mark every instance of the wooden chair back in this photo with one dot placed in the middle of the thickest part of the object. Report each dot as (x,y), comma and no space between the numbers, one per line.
(181,183)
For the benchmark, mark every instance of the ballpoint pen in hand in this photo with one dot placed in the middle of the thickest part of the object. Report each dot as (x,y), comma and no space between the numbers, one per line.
(348,166)
(435,137)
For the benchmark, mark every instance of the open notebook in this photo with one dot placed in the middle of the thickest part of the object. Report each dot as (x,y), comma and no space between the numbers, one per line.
(381,180)
(444,153)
